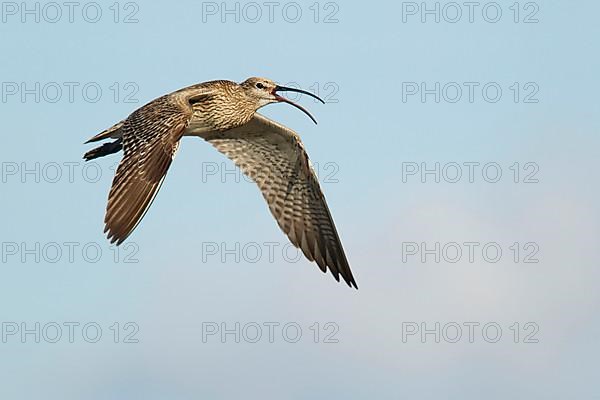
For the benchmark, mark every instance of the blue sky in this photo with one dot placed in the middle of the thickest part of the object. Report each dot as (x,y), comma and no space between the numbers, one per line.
(201,258)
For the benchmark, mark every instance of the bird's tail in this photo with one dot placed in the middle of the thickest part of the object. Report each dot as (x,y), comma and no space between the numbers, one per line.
(113,132)
(104,150)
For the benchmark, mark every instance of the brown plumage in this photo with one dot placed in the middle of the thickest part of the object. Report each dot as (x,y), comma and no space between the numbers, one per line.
(224,114)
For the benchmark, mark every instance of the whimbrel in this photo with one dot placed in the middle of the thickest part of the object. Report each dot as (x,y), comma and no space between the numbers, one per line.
(224,114)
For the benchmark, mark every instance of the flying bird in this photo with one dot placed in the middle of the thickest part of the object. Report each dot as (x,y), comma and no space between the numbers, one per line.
(223,113)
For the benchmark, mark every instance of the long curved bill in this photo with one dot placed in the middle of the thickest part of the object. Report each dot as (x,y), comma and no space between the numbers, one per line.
(298,106)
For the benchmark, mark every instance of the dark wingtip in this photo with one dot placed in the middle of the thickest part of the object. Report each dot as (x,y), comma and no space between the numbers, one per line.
(351,283)
(114,240)
(90,155)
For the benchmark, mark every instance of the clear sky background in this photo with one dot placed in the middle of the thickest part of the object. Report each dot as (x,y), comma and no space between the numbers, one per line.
(176,281)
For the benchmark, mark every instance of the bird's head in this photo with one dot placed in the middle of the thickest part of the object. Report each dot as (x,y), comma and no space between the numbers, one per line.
(263,91)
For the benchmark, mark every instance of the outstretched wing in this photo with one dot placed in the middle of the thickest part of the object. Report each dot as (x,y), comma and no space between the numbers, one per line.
(274,157)
(150,139)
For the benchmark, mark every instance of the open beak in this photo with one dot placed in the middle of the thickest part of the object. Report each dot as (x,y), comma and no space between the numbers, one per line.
(284,100)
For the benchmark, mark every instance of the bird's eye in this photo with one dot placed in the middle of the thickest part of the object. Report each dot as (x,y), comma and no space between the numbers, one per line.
(260,85)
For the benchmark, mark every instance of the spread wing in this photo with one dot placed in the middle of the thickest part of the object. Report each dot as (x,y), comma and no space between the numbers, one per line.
(150,139)
(274,157)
